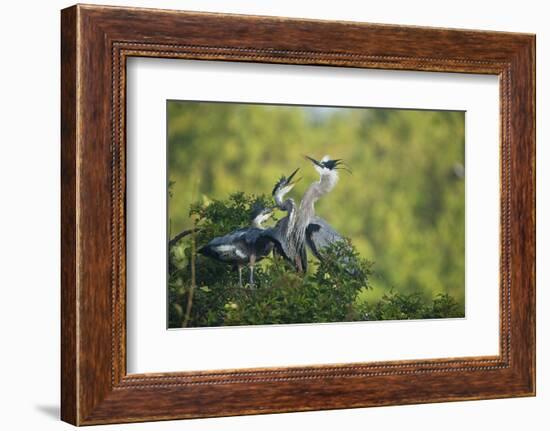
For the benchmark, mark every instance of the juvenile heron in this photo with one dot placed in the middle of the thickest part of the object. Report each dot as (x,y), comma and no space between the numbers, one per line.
(308,228)
(244,246)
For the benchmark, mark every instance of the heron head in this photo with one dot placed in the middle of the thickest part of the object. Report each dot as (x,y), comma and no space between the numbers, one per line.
(285,185)
(326,164)
(260,214)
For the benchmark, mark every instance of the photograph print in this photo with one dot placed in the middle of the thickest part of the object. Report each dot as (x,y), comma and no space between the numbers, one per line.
(289,214)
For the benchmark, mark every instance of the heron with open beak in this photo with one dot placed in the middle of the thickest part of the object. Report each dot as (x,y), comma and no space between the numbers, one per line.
(308,228)
(281,232)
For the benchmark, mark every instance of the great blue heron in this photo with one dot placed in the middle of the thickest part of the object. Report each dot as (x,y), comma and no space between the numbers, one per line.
(308,228)
(244,246)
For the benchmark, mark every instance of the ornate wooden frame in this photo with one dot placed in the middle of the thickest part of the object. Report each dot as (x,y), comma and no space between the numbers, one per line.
(95,43)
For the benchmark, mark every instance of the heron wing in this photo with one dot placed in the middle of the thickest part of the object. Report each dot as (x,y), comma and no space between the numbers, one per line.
(320,234)
(257,242)
(279,237)
(228,248)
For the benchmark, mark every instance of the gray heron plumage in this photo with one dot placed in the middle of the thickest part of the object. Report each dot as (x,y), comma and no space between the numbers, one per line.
(310,229)
(281,231)
(244,246)
(319,235)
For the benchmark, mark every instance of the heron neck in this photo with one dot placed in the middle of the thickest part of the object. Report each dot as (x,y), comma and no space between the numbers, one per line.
(278,200)
(289,205)
(257,224)
(326,183)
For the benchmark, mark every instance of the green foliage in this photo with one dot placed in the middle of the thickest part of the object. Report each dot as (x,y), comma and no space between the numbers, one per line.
(397,306)
(219,217)
(329,292)
(326,294)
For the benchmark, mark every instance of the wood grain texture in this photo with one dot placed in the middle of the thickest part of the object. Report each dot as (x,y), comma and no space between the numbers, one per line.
(69,397)
(96,41)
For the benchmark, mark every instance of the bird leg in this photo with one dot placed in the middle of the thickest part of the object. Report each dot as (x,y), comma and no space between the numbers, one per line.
(298,262)
(251,266)
(240,267)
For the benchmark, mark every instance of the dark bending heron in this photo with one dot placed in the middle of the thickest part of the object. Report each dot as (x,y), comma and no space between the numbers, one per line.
(280,233)
(244,246)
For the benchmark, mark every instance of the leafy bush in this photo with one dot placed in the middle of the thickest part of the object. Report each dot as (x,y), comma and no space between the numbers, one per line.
(396,306)
(205,292)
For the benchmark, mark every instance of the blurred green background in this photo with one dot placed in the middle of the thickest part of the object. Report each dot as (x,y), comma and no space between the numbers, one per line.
(403,207)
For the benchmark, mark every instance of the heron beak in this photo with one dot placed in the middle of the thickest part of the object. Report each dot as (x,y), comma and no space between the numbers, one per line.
(289,179)
(311,159)
(340,164)
(296,181)
(289,182)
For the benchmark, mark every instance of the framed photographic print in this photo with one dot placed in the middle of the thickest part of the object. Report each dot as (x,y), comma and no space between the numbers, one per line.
(268,215)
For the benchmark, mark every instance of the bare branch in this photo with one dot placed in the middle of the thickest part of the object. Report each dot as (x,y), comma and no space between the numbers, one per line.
(180,235)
